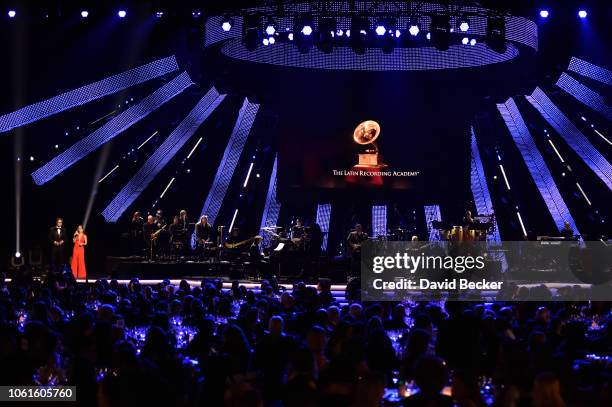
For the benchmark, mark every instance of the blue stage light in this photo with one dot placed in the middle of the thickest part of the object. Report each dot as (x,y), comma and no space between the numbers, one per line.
(590,70)
(87,93)
(323,218)
(265,41)
(464,26)
(12,13)
(111,129)
(414,30)
(271,40)
(379,221)
(122,13)
(230,160)
(226,25)
(290,36)
(585,95)
(84,13)
(572,135)
(465,41)
(534,161)
(380,30)
(164,153)
(544,13)
(473,42)
(582,14)
(272,206)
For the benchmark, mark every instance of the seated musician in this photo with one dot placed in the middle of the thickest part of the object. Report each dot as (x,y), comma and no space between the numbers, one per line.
(255,253)
(297,231)
(203,232)
(178,235)
(567,231)
(356,238)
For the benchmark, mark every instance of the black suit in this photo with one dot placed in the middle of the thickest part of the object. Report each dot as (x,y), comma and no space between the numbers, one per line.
(57,235)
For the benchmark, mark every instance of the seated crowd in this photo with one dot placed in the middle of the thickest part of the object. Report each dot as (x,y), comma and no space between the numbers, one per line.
(179,345)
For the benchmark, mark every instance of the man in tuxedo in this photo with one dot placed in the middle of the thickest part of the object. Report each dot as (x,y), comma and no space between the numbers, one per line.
(57,239)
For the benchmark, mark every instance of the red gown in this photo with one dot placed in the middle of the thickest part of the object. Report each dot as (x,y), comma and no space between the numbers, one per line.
(78,257)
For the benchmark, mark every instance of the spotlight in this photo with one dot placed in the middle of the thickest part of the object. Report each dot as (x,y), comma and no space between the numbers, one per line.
(31,158)
(473,42)
(339,33)
(17,255)
(306,30)
(159,14)
(414,29)
(196,13)
(265,41)
(544,13)
(463,24)
(380,30)
(290,36)
(465,41)
(84,13)
(440,31)
(270,27)
(397,33)
(271,40)
(12,13)
(227,24)
(122,13)
(582,14)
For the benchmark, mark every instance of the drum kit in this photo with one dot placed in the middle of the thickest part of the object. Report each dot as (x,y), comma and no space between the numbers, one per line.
(476,231)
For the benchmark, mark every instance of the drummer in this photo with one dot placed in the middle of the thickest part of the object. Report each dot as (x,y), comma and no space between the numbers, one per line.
(468,220)
(297,231)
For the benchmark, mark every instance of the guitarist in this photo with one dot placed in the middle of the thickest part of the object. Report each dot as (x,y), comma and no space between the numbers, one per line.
(354,241)
(150,231)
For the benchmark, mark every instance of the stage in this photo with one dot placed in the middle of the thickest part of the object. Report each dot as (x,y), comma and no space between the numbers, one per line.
(137,267)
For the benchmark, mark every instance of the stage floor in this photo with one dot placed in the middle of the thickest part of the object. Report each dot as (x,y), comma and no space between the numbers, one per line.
(130,267)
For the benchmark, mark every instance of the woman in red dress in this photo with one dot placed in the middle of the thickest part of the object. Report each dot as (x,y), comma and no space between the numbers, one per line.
(78,253)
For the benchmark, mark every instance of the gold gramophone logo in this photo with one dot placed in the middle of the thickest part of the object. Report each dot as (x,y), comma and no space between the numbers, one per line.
(365,134)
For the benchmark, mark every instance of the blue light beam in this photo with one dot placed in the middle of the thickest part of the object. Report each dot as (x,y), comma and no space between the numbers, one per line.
(111,129)
(272,207)
(535,164)
(230,160)
(572,136)
(164,153)
(87,93)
